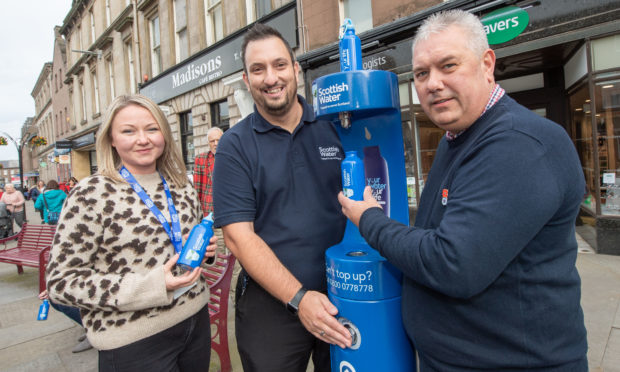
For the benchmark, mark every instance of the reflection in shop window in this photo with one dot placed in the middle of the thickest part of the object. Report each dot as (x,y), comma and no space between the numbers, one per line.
(581,127)
(219,115)
(187,139)
(608,141)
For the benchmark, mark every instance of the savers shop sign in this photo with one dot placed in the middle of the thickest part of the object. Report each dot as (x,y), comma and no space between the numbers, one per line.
(505,24)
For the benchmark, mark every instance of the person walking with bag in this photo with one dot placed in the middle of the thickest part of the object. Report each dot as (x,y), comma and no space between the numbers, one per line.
(50,202)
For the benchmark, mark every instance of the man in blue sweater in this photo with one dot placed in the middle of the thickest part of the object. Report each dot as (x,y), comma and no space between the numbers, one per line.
(490,281)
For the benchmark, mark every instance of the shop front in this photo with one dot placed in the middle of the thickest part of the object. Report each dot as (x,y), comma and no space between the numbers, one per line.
(207,90)
(564,65)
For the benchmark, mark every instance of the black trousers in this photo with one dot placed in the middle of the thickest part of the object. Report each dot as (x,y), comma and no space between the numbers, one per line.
(185,346)
(269,337)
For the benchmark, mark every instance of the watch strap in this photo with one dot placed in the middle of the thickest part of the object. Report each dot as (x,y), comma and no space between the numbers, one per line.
(293,304)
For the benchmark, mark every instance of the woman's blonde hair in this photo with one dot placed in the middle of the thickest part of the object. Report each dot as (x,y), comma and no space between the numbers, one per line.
(170,164)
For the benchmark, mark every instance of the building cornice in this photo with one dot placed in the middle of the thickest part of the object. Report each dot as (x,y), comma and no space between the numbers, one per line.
(45,72)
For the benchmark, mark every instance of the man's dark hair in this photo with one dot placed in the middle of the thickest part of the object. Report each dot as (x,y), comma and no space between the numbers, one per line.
(52,185)
(259,32)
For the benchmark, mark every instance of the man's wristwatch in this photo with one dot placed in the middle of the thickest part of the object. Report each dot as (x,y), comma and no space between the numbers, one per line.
(293,304)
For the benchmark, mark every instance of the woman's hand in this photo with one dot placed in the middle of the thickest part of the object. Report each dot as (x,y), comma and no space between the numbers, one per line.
(183,280)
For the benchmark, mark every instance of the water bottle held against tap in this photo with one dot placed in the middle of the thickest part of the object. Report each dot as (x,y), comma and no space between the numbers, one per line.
(353,180)
(350,48)
(196,245)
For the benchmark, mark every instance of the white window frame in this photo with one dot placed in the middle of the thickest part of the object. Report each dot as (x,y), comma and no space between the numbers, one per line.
(110,69)
(250,14)
(180,30)
(92,26)
(211,7)
(108,13)
(95,91)
(83,100)
(360,25)
(130,65)
(156,61)
(271,8)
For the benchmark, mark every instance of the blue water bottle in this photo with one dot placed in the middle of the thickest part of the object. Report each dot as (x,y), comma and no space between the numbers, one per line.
(43,310)
(350,48)
(196,245)
(353,180)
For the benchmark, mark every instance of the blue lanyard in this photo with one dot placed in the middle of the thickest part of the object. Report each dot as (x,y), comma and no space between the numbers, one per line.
(175,233)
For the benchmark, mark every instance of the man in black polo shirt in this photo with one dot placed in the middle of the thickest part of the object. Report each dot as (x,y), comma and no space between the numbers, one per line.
(277,173)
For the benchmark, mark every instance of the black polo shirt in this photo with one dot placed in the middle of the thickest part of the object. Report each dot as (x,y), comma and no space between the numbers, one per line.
(287,184)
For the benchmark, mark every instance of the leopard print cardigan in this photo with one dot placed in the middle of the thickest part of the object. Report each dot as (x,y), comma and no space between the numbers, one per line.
(107,259)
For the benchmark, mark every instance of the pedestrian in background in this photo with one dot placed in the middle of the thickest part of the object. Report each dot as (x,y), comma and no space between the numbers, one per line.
(34,194)
(64,186)
(203,180)
(50,202)
(14,201)
(203,171)
(490,281)
(114,253)
(72,182)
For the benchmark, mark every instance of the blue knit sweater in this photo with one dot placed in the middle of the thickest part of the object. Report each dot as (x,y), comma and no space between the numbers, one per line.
(489,278)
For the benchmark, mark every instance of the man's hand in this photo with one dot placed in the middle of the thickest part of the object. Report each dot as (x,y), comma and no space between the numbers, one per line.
(317,314)
(210,252)
(354,209)
(183,280)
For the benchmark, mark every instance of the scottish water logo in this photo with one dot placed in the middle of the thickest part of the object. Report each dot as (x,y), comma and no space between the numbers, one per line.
(332,93)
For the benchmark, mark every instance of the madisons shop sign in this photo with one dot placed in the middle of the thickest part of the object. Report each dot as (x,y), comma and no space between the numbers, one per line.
(215,64)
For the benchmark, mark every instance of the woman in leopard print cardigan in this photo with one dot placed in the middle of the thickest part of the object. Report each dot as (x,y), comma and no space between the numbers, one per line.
(113,259)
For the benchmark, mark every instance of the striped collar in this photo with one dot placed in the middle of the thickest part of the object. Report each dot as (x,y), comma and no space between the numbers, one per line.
(497,93)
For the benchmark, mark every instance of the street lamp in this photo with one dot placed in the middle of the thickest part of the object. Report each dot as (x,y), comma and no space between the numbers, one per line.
(19,144)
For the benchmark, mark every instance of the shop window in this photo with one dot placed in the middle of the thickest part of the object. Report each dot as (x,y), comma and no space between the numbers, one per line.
(360,12)
(187,139)
(581,127)
(219,115)
(93,161)
(607,116)
(421,138)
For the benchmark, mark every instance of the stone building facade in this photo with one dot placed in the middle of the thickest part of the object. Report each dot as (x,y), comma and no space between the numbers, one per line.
(42,126)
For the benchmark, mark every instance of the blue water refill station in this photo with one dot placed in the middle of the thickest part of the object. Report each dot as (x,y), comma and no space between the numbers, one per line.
(364,105)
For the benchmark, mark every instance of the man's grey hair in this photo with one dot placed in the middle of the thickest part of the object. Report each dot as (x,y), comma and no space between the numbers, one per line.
(214,130)
(469,23)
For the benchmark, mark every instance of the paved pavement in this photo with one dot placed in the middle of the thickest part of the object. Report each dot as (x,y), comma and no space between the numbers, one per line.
(29,345)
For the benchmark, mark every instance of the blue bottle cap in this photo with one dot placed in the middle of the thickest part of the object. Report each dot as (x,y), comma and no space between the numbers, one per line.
(346,26)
